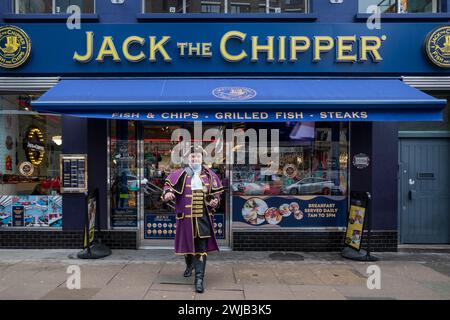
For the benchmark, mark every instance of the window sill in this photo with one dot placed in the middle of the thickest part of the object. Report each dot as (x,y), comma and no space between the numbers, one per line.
(219,17)
(443,16)
(46,17)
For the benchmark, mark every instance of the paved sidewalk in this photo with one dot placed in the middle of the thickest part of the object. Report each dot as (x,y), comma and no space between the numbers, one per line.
(156,274)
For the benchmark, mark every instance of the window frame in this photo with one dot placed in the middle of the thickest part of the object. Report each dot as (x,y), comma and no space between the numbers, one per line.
(437,8)
(16,9)
(52,170)
(226,4)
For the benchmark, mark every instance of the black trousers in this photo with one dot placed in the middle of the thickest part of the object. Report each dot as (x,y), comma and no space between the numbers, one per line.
(200,244)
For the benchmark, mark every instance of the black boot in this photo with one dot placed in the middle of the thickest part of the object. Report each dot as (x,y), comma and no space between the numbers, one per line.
(200,264)
(188,258)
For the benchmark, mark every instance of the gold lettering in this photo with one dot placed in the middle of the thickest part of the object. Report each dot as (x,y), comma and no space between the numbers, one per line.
(108,49)
(159,47)
(182,46)
(126,45)
(343,49)
(194,50)
(370,44)
(89,49)
(295,47)
(256,48)
(206,49)
(322,44)
(223,46)
(281,48)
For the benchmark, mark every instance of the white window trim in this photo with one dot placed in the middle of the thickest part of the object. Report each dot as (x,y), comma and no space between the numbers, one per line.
(307,5)
(16,7)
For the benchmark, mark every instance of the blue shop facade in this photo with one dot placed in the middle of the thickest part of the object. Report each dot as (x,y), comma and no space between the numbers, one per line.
(358,103)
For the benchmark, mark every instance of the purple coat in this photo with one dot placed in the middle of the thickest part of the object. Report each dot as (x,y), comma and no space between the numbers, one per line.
(179,183)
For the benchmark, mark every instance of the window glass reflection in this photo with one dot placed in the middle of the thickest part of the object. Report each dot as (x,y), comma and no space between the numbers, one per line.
(313,160)
(53,6)
(225,6)
(400,6)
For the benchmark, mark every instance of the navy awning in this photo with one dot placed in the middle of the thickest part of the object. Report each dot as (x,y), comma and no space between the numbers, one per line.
(211,99)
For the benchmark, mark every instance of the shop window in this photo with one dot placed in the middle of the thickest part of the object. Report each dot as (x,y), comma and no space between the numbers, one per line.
(225,6)
(29,165)
(128,184)
(310,187)
(400,6)
(53,6)
(208,7)
(287,6)
(312,161)
(124,184)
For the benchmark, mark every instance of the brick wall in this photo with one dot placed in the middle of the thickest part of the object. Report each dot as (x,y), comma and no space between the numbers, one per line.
(308,241)
(57,239)
(242,241)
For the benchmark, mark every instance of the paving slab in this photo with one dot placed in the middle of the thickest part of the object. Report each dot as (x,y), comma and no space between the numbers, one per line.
(337,275)
(264,292)
(172,287)
(134,274)
(251,274)
(137,274)
(416,272)
(23,291)
(129,283)
(19,273)
(297,274)
(392,287)
(62,293)
(127,292)
(353,292)
(212,294)
(98,276)
(317,292)
(221,277)
(169,295)
(440,288)
(174,279)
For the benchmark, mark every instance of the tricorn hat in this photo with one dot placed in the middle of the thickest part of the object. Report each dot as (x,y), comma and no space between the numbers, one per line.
(194,148)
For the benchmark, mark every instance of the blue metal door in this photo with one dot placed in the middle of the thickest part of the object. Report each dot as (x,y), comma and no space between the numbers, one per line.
(424,191)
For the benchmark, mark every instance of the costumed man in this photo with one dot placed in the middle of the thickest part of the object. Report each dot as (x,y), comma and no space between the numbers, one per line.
(196,191)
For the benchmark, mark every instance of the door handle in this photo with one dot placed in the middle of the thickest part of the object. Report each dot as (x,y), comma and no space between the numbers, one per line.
(412,194)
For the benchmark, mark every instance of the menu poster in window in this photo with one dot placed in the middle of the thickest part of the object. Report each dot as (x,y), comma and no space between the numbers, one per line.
(124,218)
(73,173)
(355,224)
(31,211)
(18,216)
(160,226)
(289,211)
(219,225)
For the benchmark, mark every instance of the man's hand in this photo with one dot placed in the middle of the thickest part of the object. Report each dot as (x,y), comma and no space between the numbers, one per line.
(169,196)
(213,203)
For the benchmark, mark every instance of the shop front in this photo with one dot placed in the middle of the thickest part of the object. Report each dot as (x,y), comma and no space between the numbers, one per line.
(297,118)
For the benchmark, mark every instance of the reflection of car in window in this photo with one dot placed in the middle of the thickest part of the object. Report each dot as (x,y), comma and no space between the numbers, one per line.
(251,188)
(312,185)
(258,185)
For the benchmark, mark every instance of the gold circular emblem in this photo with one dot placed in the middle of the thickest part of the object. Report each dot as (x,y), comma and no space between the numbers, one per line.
(437,46)
(26,168)
(15,47)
